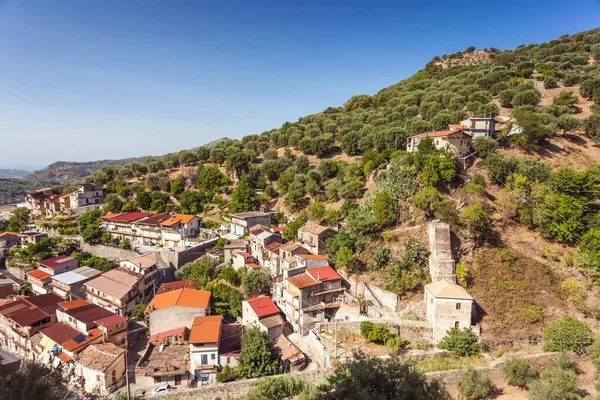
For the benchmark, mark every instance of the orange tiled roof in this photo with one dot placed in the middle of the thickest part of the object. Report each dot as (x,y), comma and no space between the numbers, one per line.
(68,305)
(64,196)
(443,133)
(206,329)
(71,344)
(64,357)
(180,297)
(175,218)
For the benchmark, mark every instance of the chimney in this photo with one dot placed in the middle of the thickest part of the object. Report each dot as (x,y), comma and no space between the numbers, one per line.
(319,276)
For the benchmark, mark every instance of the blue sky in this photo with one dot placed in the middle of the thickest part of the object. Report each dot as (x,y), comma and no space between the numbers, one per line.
(88,80)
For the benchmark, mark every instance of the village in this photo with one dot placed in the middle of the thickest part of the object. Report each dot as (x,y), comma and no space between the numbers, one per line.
(78,319)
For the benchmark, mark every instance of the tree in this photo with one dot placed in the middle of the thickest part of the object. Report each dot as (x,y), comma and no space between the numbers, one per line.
(568,123)
(290,232)
(256,282)
(526,97)
(316,211)
(473,385)
(277,388)
(210,179)
(143,199)
(202,271)
(231,275)
(374,378)
(462,343)
(506,96)
(484,146)
(565,99)
(239,163)
(518,371)
(257,357)
(566,334)
(92,234)
(242,199)
(559,217)
(384,209)
(138,312)
(476,221)
(381,256)
(177,186)
(126,244)
(113,203)
(555,383)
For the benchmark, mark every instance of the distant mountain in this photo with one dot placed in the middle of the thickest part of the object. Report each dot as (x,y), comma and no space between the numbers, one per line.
(13,173)
(62,171)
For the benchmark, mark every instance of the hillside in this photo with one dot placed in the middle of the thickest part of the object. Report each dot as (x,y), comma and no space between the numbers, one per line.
(13,173)
(524,208)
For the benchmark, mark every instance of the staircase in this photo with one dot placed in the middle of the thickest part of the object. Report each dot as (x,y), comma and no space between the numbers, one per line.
(374,298)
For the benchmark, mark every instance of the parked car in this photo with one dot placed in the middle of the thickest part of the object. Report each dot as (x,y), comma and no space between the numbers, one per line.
(164,388)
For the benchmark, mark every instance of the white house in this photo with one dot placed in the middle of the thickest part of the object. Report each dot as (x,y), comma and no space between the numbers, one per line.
(204,341)
(242,222)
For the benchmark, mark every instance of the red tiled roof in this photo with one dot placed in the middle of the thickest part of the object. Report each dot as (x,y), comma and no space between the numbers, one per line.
(273,247)
(442,133)
(325,273)
(127,217)
(178,218)
(64,357)
(39,274)
(56,262)
(279,228)
(206,329)
(302,280)
(245,254)
(67,305)
(262,306)
(92,334)
(170,286)
(61,332)
(166,334)
(253,266)
(110,320)
(156,219)
(180,297)
(312,256)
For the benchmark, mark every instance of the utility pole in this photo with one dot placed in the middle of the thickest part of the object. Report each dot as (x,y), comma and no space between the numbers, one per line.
(127,374)
(335,335)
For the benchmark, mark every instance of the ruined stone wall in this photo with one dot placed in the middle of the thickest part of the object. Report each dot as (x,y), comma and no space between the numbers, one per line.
(441,261)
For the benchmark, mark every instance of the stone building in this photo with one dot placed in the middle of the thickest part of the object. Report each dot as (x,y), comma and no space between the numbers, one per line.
(441,261)
(448,306)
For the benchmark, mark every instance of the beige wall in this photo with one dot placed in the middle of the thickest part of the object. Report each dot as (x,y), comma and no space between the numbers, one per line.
(173,317)
(443,314)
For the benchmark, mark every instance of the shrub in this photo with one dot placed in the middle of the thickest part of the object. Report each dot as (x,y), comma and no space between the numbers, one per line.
(227,374)
(396,343)
(279,387)
(381,256)
(565,381)
(565,362)
(484,146)
(379,334)
(365,328)
(388,236)
(550,82)
(461,343)
(474,385)
(518,371)
(566,334)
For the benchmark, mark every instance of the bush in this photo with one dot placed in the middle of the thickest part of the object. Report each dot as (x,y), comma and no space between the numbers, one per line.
(462,343)
(474,385)
(550,82)
(484,146)
(566,334)
(526,97)
(518,371)
(396,343)
(227,374)
(276,388)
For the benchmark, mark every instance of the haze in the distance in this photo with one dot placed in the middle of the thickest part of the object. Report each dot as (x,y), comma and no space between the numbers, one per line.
(111,79)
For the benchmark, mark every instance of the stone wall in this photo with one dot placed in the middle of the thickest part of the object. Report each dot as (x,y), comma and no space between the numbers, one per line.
(18,273)
(388,299)
(409,330)
(441,261)
(111,252)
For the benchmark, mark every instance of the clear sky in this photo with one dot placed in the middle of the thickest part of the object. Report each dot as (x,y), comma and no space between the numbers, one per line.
(88,80)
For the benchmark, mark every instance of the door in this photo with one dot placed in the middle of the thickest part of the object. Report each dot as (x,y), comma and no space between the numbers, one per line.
(177,380)
(456,325)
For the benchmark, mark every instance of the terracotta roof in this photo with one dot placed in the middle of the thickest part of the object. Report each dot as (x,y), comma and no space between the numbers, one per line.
(448,290)
(88,313)
(273,247)
(180,297)
(127,217)
(442,133)
(60,332)
(116,283)
(459,126)
(64,357)
(253,266)
(155,219)
(48,302)
(56,262)
(64,196)
(235,244)
(99,357)
(67,305)
(39,274)
(312,256)
(324,273)
(79,342)
(279,228)
(169,286)
(270,322)
(110,320)
(166,334)
(110,215)
(206,329)
(244,254)
(313,228)
(291,247)
(178,218)
(262,306)
(302,280)
(258,231)
(143,261)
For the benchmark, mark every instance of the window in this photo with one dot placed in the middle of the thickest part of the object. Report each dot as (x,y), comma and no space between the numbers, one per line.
(437,142)
(212,356)
(457,325)
(458,306)
(204,359)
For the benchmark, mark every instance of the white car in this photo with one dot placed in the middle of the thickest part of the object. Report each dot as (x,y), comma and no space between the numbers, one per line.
(164,388)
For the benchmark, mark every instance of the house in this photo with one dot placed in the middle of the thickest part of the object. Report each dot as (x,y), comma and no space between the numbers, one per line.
(204,341)
(118,290)
(21,319)
(231,248)
(271,258)
(71,284)
(478,126)
(58,265)
(458,141)
(146,265)
(8,241)
(101,368)
(176,308)
(260,311)
(312,297)
(287,254)
(39,280)
(260,241)
(230,344)
(88,194)
(31,238)
(80,314)
(242,222)
(170,286)
(42,201)
(148,230)
(241,259)
(120,226)
(62,339)
(178,228)
(313,237)
(114,329)
(65,201)
(448,306)
(162,363)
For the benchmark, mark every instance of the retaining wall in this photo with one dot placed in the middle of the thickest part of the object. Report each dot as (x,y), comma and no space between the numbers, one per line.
(388,299)
(18,273)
